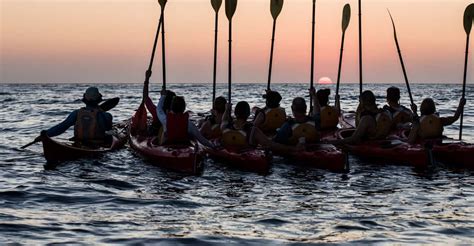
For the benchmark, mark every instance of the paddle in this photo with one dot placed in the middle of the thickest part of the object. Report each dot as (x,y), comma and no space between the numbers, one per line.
(216,5)
(275,8)
(467,21)
(401,58)
(163,55)
(152,58)
(313,24)
(230,7)
(105,106)
(360,47)
(346,18)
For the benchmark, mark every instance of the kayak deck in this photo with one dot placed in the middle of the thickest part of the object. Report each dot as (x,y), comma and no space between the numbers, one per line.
(251,160)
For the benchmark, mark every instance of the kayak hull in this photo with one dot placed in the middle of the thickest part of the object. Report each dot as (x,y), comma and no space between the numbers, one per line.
(179,158)
(400,153)
(251,160)
(56,152)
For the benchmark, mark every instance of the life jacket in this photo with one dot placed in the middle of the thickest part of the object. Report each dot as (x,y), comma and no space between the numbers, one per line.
(236,138)
(384,125)
(329,118)
(431,126)
(86,129)
(177,128)
(274,119)
(306,130)
(401,115)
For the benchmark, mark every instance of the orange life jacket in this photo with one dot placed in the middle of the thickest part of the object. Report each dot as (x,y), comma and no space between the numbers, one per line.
(329,118)
(86,129)
(177,128)
(274,119)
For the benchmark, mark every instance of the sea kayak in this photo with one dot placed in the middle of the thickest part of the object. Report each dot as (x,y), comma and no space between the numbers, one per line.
(251,160)
(56,152)
(448,151)
(389,151)
(322,156)
(179,158)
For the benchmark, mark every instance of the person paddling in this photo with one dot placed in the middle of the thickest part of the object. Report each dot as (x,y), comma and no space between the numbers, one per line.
(326,116)
(239,134)
(90,123)
(299,129)
(372,124)
(177,127)
(272,116)
(211,127)
(430,125)
(400,114)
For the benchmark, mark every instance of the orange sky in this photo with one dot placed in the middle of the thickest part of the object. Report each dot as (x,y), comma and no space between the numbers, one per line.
(110,41)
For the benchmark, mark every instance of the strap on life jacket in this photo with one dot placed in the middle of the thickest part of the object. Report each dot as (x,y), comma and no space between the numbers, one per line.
(177,128)
(329,117)
(86,128)
(305,130)
(274,119)
(431,126)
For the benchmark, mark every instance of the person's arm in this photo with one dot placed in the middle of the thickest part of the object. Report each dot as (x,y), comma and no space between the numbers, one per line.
(194,132)
(446,121)
(259,119)
(159,109)
(316,106)
(413,136)
(226,116)
(358,134)
(63,126)
(151,108)
(108,118)
(260,138)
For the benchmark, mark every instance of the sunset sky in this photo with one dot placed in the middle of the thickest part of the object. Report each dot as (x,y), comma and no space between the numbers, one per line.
(91,41)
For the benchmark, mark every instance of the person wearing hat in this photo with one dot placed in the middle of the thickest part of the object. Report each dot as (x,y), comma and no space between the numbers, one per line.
(326,116)
(90,122)
(272,116)
(300,129)
(400,114)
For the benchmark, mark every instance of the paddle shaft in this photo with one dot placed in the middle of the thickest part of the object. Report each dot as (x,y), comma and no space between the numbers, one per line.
(154,49)
(230,62)
(29,144)
(360,47)
(271,55)
(214,75)
(340,64)
(464,85)
(313,24)
(163,53)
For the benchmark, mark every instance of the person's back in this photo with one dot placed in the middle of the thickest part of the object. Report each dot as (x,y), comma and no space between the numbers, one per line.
(90,123)
(211,128)
(272,116)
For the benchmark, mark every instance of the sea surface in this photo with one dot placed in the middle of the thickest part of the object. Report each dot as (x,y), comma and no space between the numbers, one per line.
(120,199)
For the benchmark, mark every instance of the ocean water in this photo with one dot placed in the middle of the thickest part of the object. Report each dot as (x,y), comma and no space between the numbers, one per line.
(121,199)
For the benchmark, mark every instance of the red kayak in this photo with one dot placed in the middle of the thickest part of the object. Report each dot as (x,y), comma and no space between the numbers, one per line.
(180,158)
(447,151)
(56,152)
(252,160)
(389,151)
(322,156)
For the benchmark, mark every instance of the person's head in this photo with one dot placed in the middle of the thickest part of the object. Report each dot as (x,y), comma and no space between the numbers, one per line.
(298,106)
(393,94)
(219,105)
(178,105)
(242,110)
(427,107)
(367,100)
(92,96)
(273,99)
(323,97)
(169,98)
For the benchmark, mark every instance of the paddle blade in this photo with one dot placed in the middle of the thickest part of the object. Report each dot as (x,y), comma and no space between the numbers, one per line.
(216,5)
(230,7)
(109,104)
(275,7)
(393,24)
(346,16)
(468,18)
(162,3)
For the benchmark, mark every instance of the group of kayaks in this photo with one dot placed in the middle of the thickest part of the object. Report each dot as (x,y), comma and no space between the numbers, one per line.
(189,158)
